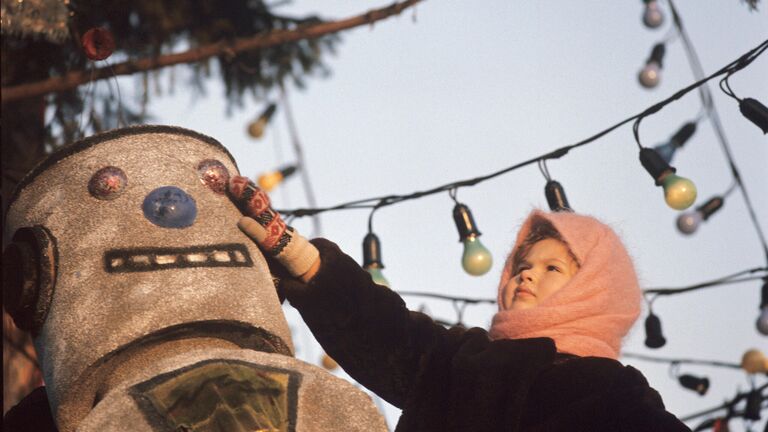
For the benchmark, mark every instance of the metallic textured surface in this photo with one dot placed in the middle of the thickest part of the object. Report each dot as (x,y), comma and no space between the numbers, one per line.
(325,403)
(94,312)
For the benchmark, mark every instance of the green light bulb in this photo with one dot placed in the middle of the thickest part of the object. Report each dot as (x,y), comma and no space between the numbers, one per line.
(476,260)
(679,192)
(377,275)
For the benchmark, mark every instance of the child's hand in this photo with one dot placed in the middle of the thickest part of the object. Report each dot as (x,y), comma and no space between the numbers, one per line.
(265,226)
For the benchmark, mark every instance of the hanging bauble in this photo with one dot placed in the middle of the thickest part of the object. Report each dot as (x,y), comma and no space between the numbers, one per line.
(98,43)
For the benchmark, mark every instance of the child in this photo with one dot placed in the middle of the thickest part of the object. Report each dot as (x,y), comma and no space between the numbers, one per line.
(568,294)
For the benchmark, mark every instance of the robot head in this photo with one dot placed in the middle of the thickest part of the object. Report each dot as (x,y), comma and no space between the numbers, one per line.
(124,246)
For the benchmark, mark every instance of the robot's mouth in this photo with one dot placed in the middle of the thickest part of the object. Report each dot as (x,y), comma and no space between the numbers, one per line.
(150,259)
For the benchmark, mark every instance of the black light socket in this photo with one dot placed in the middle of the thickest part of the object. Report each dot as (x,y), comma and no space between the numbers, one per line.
(465,223)
(698,384)
(372,251)
(710,207)
(556,198)
(655,165)
(653,336)
(753,406)
(684,134)
(657,54)
(756,112)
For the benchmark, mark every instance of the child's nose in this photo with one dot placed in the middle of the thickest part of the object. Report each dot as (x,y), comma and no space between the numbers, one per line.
(527,275)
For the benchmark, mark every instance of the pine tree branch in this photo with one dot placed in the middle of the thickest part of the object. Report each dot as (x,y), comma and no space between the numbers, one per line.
(261,41)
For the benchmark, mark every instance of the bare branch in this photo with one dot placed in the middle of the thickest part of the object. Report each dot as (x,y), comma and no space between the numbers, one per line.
(261,41)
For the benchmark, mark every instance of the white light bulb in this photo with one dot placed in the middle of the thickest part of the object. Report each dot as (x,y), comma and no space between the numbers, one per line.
(650,75)
(688,222)
(762,321)
(652,16)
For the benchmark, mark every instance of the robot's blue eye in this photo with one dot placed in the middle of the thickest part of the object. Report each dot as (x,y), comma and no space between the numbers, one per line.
(107,183)
(170,207)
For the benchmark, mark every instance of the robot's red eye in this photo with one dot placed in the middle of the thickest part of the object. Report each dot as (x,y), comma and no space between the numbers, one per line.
(214,175)
(108,183)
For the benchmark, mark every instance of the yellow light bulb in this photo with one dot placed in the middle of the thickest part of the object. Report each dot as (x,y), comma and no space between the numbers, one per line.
(269,180)
(754,361)
(679,192)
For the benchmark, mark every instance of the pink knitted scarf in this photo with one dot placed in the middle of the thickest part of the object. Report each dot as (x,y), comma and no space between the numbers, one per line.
(591,314)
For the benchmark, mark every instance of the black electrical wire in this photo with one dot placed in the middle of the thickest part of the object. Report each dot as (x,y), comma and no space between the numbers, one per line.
(732,67)
(681,361)
(725,280)
(725,406)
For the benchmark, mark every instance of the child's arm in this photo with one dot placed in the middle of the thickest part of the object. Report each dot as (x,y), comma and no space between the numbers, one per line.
(363,326)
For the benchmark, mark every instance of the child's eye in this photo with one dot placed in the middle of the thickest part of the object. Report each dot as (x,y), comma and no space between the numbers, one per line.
(553,268)
(520,269)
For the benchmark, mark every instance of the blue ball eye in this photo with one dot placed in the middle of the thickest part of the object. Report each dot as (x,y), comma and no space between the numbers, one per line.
(170,207)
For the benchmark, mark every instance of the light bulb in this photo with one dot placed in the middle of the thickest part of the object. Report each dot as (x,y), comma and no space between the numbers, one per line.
(256,127)
(269,180)
(377,276)
(652,16)
(753,361)
(650,75)
(762,321)
(476,259)
(666,150)
(679,192)
(688,222)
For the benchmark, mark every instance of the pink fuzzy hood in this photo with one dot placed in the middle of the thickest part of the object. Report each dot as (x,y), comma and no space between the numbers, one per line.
(591,314)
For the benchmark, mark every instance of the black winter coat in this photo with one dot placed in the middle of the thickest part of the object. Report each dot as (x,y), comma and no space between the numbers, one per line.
(458,379)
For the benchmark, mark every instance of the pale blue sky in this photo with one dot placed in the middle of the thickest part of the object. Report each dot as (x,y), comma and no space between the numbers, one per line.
(459,89)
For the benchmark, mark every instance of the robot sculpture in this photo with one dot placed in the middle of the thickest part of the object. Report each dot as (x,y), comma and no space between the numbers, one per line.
(149,309)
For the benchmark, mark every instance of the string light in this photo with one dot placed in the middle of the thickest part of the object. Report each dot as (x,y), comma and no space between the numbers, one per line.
(762,320)
(556,199)
(650,74)
(754,362)
(553,191)
(476,258)
(269,180)
(256,128)
(736,65)
(652,16)
(698,384)
(688,222)
(750,108)
(372,259)
(667,150)
(679,192)
(653,336)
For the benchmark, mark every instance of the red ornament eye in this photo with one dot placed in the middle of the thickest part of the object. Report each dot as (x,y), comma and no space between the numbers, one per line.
(108,183)
(214,175)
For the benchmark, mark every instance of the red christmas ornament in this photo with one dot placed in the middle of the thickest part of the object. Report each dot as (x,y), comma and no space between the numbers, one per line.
(98,43)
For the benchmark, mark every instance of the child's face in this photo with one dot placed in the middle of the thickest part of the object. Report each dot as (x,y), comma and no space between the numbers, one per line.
(546,268)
